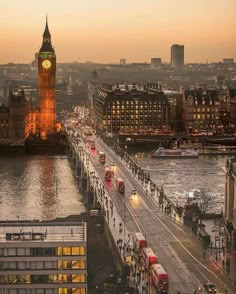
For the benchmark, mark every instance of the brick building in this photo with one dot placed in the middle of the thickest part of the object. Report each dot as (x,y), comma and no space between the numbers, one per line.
(17,120)
(200,110)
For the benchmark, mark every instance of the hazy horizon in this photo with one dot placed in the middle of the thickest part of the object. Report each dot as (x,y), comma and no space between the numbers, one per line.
(105,31)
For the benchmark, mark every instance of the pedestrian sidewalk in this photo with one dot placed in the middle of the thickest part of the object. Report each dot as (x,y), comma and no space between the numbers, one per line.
(220,255)
(229,268)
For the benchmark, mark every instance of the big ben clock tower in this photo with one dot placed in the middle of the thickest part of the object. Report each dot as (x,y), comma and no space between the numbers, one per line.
(47,73)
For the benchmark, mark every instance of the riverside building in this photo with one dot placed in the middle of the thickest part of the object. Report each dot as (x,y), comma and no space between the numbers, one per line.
(43,258)
(16,120)
(132,109)
(230,202)
(200,110)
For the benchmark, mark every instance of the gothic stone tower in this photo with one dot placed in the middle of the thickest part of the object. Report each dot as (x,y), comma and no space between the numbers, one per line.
(47,73)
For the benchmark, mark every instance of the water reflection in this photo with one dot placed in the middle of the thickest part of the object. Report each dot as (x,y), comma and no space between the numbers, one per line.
(49,186)
(185,175)
(37,187)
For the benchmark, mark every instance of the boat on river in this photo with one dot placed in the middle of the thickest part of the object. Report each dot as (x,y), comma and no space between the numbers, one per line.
(175,153)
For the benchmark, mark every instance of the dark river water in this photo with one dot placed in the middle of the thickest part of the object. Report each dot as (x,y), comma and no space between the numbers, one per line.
(181,176)
(40,187)
(37,187)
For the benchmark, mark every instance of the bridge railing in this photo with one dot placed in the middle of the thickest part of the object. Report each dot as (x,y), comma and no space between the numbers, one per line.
(158,194)
(113,216)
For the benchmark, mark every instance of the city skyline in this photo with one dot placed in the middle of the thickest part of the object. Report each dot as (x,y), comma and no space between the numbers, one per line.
(97,30)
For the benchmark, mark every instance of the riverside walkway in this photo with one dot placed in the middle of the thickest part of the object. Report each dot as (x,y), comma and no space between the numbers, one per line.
(177,248)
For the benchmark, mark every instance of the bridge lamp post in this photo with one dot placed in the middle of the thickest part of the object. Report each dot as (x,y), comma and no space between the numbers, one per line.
(133,197)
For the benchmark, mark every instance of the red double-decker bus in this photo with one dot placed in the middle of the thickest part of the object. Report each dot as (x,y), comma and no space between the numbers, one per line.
(108,174)
(160,278)
(120,185)
(139,242)
(149,257)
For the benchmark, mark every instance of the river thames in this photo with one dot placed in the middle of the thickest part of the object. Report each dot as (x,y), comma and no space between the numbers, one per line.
(44,187)
(181,176)
(38,187)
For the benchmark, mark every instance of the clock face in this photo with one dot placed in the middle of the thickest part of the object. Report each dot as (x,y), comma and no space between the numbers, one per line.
(46,64)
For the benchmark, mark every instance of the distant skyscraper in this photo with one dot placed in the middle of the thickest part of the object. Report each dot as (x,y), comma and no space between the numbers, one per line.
(123,61)
(155,62)
(177,55)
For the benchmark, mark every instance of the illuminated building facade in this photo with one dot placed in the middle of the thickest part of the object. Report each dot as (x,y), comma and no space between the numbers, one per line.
(200,110)
(43,258)
(19,119)
(132,109)
(47,73)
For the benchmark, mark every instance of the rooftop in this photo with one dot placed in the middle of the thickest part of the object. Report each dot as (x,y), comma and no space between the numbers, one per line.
(47,232)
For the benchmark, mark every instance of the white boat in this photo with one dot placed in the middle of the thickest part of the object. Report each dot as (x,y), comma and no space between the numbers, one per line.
(175,153)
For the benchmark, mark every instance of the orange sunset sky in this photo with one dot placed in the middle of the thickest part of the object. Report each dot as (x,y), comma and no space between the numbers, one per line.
(107,30)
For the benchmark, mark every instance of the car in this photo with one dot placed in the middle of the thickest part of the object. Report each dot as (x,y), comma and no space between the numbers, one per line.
(209,287)
(134,192)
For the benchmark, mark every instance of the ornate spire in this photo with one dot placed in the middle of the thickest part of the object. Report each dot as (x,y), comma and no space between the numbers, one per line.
(46,34)
(46,46)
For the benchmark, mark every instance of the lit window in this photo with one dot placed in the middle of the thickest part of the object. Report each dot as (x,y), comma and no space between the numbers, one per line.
(66,251)
(78,291)
(63,291)
(82,250)
(78,278)
(78,264)
(59,251)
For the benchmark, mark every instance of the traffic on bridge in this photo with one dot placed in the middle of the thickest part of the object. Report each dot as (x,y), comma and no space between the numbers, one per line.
(163,255)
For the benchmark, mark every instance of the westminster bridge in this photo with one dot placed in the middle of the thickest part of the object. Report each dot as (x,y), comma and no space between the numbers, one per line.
(179,251)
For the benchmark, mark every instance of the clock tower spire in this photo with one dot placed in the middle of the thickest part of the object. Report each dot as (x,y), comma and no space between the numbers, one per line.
(47,45)
(47,74)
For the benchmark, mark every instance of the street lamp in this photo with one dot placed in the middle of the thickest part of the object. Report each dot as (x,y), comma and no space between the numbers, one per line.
(133,197)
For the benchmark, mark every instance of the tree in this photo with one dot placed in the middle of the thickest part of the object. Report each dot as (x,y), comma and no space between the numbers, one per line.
(204,199)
